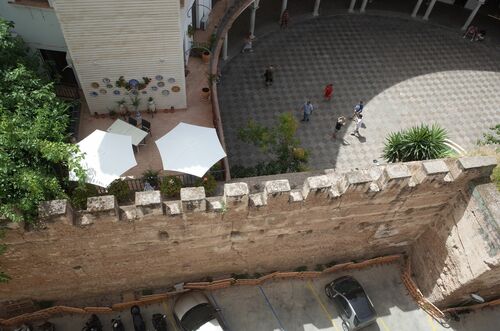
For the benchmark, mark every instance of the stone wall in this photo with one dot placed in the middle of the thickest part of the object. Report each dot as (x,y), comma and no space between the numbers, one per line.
(461,255)
(332,217)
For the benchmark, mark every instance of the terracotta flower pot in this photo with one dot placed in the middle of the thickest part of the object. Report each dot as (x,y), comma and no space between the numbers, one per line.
(205,56)
(205,93)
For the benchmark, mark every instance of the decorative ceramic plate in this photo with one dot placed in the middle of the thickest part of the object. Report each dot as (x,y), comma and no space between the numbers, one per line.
(165,92)
(95,85)
(154,88)
(106,81)
(144,92)
(133,83)
(160,84)
(171,80)
(175,88)
(116,92)
(94,94)
(159,77)
(109,86)
(103,91)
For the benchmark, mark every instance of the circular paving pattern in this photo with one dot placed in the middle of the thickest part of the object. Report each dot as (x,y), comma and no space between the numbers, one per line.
(407,72)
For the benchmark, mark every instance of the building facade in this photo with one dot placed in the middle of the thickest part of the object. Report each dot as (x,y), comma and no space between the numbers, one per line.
(113,50)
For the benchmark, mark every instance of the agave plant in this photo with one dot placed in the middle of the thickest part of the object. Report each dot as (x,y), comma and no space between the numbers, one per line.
(415,144)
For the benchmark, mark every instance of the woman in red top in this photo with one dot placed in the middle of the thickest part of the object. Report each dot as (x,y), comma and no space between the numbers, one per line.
(328,92)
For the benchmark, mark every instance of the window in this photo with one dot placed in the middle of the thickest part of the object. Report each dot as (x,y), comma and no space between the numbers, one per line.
(344,305)
(32,3)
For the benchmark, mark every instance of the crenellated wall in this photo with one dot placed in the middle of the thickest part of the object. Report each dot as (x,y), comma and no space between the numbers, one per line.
(332,217)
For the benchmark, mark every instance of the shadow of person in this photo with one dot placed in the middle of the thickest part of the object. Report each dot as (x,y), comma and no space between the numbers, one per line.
(361,138)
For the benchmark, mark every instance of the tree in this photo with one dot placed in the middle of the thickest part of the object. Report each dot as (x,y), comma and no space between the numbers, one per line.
(35,153)
(279,142)
(416,144)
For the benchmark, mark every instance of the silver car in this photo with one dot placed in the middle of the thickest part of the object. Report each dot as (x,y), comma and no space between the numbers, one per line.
(354,305)
(194,312)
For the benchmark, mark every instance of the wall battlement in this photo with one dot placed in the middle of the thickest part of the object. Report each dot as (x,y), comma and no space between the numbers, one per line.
(333,188)
(331,218)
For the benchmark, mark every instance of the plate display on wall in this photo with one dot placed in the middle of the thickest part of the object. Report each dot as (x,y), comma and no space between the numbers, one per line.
(144,92)
(160,84)
(93,94)
(109,86)
(159,77)
(154,88)
(175,88)
(133,83)
(116,92)
(171,80)
(103,91)
(165,92)
(95,85)
(106,81)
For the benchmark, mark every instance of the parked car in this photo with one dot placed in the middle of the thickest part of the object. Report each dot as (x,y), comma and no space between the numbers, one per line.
(355,307)
(193,311)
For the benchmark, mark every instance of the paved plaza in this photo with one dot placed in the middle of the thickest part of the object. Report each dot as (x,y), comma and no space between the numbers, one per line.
(406,71)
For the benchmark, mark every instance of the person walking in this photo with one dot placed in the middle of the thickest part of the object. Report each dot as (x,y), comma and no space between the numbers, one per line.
(307,108)
(358,109)
(284,19)
(327,94)
(340,123)
(247,47)
(359,122)
(269,75)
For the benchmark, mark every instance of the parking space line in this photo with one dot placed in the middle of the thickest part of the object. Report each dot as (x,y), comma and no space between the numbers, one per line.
(272,308)
(431,322)
(170,318)
(384,326)
(316,296)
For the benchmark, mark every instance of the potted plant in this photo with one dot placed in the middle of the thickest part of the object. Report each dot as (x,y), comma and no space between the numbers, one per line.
(190,31)
(112,114)
(205,93)
(151,106)
(135,101)
(205,56)
(122,107)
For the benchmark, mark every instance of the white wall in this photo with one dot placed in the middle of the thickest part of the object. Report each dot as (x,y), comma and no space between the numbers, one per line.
(39,27)
(130,38)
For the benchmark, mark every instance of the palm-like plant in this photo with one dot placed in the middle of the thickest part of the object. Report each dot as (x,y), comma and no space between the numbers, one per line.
(415,144)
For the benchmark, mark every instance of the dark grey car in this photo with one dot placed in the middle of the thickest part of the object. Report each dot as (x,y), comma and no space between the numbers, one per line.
(355,307)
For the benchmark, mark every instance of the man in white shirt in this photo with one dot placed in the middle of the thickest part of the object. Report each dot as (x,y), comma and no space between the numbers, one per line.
(359,122)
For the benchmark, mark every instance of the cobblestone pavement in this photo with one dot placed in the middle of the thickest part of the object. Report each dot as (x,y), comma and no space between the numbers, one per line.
(407,72)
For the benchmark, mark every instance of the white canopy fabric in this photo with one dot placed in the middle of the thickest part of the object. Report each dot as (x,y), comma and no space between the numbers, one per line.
(106,157)
(190,149)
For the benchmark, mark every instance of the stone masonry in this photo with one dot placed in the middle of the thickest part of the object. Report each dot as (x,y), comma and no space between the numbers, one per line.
(154,243)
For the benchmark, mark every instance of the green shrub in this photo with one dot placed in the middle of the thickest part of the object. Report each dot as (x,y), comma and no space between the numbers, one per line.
(240,276)
(416,144)
(119,188)
(151,176)
(319,267)
(495,176)
(79,195)
(301,268)
(171,187)
(208,182)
